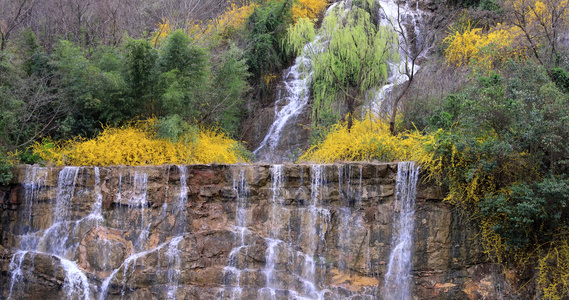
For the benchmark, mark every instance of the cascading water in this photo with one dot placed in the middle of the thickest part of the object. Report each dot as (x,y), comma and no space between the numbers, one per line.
(232,273)
(296,83)
(61,237)
(316,222)
(173,254)
(398,277)
(296,93)
(138,202)
(142,222)
(408,22)
(271,232)
(276,216)
(54,240)
(347,222)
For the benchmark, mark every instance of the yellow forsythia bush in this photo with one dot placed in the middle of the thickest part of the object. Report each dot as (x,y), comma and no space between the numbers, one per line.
(553,278)
(531,25)
(235,16)
(161,32)
(370,139)
(232,19)
(465,44)
(308,9)
(136,144)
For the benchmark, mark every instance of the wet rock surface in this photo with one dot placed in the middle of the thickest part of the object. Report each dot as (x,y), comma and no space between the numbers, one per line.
(237,231)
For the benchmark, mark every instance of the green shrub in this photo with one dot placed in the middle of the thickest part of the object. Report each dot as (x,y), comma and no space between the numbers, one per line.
(530,214)
(7,162)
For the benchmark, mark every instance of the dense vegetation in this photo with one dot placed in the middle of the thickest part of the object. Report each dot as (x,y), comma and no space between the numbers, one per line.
(497,141)
(191,76)
(159,86)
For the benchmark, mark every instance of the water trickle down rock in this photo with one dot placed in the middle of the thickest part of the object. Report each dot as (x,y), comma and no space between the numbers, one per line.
(292,100)
(174,264)
(398,278)
(57,240)
(277,215)
(291,246)
(232,272)
(315,223)
(348,221)
(409,23)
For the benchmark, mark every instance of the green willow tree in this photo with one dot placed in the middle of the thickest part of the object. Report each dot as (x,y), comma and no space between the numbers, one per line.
(350,58)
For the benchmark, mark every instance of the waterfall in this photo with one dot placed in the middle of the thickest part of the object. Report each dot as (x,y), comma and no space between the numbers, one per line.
(180,227)
(174,267)
(276,215)
(34,187)
(296,93)
(263,232)
(232,273)
(411,18)
(138,202)
(398,278)
(125,266)
(54,240)
(297,79)
(296,83)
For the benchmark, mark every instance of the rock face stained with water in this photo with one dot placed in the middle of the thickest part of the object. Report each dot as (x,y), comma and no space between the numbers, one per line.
(233,232)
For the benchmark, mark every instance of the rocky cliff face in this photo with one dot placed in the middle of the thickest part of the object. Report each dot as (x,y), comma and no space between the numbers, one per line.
(228,232)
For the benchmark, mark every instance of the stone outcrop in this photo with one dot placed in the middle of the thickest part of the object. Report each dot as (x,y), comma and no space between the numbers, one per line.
(231,231)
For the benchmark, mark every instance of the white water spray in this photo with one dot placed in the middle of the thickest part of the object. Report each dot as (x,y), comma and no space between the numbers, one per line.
(55,239)
(398,278)
(296,81)
(407,22)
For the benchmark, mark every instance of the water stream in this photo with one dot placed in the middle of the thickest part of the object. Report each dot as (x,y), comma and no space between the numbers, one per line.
(232,272)
(407,20)
(300,233)
(398,278)
(58,239)
(291,101)
(414,45)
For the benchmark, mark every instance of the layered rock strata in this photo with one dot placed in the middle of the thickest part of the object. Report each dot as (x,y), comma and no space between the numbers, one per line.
(228,232)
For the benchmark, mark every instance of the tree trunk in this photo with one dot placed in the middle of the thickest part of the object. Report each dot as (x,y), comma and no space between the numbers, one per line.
(396,104)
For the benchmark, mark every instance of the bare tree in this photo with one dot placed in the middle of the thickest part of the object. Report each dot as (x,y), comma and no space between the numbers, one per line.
(12,14)
(541,23)
(37,109)
(413,45)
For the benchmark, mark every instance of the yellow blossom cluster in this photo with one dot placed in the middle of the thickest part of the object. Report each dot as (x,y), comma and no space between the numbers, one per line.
(136,144)
(370,139)
(309,9)
(466,44)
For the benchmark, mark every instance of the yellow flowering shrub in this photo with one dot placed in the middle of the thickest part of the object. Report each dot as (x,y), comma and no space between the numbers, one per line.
(136,144)
(466,44)
(370,139)
(162,31)
(553,279)
(233,19)
(309,9)
(532,24)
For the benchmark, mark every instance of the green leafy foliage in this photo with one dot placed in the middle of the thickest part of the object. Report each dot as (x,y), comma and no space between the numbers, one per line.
(561,78)
(73,90)
(531,213)
(6,165)
(266,31)
(353,61)
(231,82)
(183,77)
(139,65)
(502,157)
